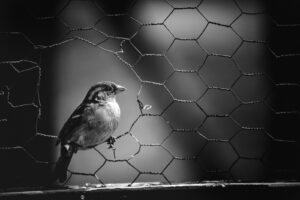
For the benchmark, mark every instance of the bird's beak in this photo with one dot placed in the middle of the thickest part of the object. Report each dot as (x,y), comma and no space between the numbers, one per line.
(120,89)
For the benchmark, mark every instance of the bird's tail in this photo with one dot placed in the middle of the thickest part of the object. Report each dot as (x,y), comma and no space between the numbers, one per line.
(60,171)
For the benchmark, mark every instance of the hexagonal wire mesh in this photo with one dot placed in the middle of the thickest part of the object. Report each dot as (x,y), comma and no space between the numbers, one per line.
(201,101)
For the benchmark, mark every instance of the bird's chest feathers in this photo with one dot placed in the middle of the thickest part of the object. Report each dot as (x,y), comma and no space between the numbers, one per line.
(104,113)
(101,122)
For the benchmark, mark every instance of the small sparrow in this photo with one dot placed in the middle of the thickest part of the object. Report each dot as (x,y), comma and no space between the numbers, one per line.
(91,124)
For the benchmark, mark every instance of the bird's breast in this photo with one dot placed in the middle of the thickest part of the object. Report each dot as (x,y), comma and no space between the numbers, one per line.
(109,111)
(102,121)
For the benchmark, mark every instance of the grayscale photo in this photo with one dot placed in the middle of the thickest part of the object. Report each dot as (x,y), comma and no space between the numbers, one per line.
(149,99)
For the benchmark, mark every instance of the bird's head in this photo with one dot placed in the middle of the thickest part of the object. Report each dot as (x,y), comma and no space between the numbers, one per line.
(103,91)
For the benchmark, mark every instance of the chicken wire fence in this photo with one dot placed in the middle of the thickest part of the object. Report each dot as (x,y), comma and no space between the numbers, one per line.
(219,111)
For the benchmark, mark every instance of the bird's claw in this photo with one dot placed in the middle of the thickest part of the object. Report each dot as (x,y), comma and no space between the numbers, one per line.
(111,141)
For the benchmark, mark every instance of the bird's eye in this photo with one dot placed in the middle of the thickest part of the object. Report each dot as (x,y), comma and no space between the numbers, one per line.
(110,88)
(97,98)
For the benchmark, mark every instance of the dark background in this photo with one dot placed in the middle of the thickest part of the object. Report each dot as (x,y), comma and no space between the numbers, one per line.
(220,77)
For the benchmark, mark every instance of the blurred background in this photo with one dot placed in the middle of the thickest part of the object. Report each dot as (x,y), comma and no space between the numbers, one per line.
(211,89)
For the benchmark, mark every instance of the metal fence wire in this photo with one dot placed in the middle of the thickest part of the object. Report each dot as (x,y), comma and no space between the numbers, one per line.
(223,108)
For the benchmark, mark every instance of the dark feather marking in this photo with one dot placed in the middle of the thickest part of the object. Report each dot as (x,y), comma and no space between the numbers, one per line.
(71,123)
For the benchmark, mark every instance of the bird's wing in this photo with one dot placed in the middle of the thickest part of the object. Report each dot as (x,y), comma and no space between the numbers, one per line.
(74,120)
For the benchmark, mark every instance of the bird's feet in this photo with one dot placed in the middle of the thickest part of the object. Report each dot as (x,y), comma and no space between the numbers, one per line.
(111,141)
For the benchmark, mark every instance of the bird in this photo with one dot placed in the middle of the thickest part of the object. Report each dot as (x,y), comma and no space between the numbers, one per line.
(92,123)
